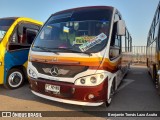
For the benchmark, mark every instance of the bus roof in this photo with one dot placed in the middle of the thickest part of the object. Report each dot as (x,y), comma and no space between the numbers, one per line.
(14,18)
(23,18)
(83,8)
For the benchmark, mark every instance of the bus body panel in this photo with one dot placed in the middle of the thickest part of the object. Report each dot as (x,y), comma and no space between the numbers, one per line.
(2,52)
(116,69)
(72,92)
(14,59)
(69,91)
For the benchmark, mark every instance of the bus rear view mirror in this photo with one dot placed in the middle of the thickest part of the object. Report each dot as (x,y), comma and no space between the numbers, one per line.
(121,28)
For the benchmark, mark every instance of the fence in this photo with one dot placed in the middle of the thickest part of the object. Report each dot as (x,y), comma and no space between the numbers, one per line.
(138,54)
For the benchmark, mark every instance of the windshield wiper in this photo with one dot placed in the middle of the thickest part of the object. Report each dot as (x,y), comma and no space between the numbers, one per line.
(45,49)
(72,50)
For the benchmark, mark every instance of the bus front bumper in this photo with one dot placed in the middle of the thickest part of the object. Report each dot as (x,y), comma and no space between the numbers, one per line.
(71,94)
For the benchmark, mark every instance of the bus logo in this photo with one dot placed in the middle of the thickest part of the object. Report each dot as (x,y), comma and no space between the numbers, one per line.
(54,71)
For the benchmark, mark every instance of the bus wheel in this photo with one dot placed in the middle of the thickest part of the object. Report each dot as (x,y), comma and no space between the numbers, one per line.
(154,75)
(158,86)
(15,79)
(112,91)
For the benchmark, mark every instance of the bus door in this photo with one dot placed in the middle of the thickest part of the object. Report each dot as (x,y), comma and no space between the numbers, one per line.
(18,46)
(115,50)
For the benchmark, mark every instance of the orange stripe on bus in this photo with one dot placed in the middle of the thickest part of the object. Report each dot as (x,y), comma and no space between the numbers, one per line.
(93,63)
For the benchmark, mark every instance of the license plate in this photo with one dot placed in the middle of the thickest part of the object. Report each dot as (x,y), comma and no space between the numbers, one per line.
(53,88)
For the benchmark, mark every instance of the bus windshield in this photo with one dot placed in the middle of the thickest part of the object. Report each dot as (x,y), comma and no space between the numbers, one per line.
(4,26)
(80,31)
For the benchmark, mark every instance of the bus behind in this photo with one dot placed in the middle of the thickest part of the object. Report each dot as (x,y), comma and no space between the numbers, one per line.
(16,36)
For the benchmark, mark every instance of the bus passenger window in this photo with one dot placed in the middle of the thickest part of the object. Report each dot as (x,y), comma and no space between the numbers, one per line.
(14,38)
(115,46)
(30,35)
(22,36)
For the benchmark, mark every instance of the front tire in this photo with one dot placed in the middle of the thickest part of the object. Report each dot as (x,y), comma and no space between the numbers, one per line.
(112,91)
(15,79)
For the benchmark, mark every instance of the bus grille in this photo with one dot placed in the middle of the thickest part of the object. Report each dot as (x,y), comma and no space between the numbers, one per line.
(59,70)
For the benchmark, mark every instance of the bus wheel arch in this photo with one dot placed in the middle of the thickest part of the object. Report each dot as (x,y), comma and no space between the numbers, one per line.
(15,78)
(110,92)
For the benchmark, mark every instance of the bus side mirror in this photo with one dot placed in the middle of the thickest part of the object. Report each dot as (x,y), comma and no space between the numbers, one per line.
(121,28)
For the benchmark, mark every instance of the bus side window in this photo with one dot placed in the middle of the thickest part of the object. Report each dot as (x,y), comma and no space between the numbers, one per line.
(30,35)
(115,46)
(22,36)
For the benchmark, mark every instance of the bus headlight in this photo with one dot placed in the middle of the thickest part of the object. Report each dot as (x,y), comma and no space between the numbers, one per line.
(82,81)
(32,74)
(91,80)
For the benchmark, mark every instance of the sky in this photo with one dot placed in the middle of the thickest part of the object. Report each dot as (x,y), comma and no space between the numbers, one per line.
(138,14)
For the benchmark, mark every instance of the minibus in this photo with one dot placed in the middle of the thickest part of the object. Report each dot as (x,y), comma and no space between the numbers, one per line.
(16,36)
(77,56)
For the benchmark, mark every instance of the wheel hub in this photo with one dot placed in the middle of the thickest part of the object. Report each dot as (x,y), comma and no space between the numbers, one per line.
(15,79)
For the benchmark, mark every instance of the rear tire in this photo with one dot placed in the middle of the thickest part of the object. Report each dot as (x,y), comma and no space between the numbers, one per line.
(15,79)
(154,75)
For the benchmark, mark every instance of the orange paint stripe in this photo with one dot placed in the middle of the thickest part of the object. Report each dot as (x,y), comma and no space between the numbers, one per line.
(65,58)
(91,62)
